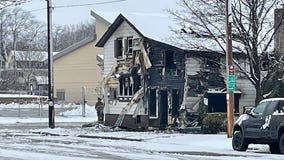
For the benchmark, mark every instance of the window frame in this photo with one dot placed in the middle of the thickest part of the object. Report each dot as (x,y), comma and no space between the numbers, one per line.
(59,96)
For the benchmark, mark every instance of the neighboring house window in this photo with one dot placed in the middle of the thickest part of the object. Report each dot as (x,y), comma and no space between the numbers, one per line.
(118,48)
(20,74)
(2,64)
(60,94)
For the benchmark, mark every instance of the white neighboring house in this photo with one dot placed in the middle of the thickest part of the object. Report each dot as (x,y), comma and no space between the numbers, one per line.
(26,71)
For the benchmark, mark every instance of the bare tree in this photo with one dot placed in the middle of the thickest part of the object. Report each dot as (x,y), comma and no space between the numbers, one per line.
(6,3)
(3,33)
(19,31)
(65,36)
(202,27)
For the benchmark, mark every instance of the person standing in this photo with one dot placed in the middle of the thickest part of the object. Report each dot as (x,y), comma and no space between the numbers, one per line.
(100,110)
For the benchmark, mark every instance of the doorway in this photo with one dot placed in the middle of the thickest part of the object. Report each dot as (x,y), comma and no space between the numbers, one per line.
(163,108)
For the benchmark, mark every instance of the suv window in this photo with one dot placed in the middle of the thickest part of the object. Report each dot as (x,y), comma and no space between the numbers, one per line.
(281,107)
(271,107)
(259,109)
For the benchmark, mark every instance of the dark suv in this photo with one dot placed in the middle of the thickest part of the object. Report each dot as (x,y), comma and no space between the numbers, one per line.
(264,124)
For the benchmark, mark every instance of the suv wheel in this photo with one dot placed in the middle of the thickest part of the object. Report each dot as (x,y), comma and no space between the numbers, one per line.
(240,143)
(281,144)
(274,148)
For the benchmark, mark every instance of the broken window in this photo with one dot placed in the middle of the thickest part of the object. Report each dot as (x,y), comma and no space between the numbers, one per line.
(123,47)
(136,78)
(153,104)
(118,48)
(125,86)
(170,63)
(130,45)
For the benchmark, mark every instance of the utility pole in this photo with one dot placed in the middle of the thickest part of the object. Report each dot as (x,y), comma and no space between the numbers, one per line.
(51,112)
(230,70)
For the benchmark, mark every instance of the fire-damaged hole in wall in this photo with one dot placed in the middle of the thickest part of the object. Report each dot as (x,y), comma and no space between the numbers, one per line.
(170,63)
(164,108)
(217,101)
(174,109)
(138,119)
(153,104)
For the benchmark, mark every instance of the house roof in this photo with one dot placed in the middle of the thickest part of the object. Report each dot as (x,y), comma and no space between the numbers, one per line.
(74,47)
(41,79)
(84,41)
(100,18)
(150,26)
(30,55)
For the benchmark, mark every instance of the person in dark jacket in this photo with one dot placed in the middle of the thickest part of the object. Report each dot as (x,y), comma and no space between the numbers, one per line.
(100,110)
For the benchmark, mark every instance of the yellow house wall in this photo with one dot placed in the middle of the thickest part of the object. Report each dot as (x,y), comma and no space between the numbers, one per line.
(79,69)
(76,70)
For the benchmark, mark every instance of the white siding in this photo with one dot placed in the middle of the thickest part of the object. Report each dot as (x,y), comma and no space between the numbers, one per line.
(123,31)
(193,66)
(248,92)
(117,108)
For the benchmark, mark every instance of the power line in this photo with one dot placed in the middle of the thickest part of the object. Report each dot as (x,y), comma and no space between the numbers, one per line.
(79,5)
(88,4)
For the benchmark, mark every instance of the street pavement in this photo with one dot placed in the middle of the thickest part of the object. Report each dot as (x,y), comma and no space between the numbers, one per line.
(19,141)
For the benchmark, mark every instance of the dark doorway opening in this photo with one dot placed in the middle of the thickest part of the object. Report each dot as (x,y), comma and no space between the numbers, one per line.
(163,108)
(152,103)
(175,107)
(175,103)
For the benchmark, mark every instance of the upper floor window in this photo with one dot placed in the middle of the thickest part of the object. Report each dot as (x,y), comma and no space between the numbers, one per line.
(123,47)
(130,46)
(170,63)
(118,48)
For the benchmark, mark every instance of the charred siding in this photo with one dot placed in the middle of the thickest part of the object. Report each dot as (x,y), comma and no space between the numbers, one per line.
(163,73)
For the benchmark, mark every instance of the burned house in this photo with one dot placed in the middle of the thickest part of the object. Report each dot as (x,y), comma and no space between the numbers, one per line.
(143,78)
(205,82)
(148,82)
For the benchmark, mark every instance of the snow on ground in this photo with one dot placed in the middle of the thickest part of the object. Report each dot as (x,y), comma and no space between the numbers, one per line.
(163,145)
(74,115)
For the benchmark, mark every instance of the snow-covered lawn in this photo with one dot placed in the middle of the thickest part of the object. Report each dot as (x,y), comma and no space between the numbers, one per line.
(72,143)
(74,115)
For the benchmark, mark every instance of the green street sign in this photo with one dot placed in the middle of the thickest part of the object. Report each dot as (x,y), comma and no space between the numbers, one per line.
(231,83)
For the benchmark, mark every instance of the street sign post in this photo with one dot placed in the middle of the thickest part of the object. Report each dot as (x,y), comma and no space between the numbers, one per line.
(231,78)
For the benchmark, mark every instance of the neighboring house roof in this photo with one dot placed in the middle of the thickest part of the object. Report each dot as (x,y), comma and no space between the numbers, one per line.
(82,42)
(99,18)
(41,80)
(150,26)
(30,55)
(74,47)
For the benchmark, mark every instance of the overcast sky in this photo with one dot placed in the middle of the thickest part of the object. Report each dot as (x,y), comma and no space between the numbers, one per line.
(65,14)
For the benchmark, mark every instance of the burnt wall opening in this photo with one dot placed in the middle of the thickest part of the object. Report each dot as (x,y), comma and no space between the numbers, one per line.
(217,102)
